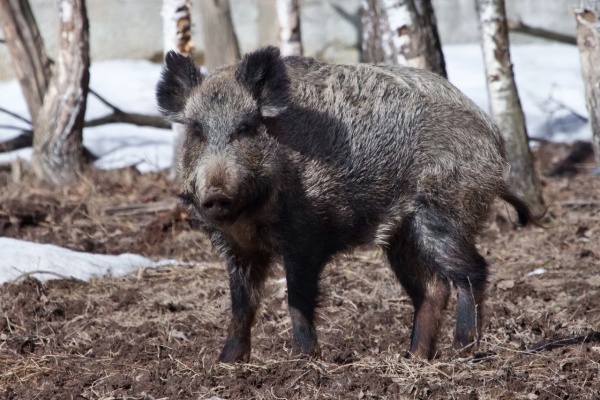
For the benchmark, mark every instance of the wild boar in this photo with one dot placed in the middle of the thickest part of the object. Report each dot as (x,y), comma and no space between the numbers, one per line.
(291,160)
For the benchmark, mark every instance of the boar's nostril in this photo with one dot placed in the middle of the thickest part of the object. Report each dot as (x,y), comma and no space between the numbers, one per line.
(217,205)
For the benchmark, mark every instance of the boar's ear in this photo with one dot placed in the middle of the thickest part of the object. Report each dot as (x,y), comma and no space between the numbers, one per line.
(264,74)
(179,77)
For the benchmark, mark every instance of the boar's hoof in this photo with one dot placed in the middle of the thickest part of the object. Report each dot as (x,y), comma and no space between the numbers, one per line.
(465,349)
(306,350)
(235,353)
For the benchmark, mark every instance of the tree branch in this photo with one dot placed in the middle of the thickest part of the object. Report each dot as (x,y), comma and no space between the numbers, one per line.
(129,118)
(25,139)
(521,27)
(106,102)
(120,116)
(17,116)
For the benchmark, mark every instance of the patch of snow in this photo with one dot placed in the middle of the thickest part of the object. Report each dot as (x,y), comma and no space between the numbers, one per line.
(537,271)
(20,257)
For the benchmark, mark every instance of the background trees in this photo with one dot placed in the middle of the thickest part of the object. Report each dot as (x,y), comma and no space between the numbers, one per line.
(402,32)
(288,16)
(221,42)
(399,31)
(56,101)
(588,40)
(177,35)
(504,101)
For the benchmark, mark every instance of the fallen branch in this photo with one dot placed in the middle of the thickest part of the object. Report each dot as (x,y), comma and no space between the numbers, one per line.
(129,118)
(120,116)
(25,139)
(143,208)
(570,166)
(521,27)
(545,345)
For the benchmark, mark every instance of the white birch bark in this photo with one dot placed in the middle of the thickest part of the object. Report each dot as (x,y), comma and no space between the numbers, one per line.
(588,40)
(288,16)
(504,101)
(377,43)
(402,32)
(400,16)
(177,36)
(58,148)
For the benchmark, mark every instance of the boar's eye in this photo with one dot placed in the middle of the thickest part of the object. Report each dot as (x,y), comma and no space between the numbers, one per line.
(245,129)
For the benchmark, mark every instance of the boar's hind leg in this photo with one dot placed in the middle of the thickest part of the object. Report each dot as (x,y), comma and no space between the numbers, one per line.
(430,251)
(428,291)
(471,282)
(303,293)
(245,284)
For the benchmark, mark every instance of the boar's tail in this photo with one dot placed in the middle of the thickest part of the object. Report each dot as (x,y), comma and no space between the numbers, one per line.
(524,213)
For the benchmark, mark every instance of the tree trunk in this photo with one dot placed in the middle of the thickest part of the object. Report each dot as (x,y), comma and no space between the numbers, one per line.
(268,32)
(412,34)
(58,149)
(377,44)
(288,15)
(177,35)
(504,101)
(177,27)
(220,42)
(430,37)
(26,46)
(588,40)
(402,32)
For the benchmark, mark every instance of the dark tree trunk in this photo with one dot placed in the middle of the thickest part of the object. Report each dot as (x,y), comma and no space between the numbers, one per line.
(430,37)
(58,150)
(220,42)
(26,46)
(504,101)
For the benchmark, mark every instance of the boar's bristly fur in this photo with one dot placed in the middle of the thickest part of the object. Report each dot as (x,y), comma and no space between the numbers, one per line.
(293,160)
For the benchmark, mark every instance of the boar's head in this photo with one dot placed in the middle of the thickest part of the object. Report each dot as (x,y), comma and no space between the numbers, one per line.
(230,164)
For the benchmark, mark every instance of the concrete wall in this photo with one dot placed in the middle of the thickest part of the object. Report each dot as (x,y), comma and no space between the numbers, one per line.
(330,28)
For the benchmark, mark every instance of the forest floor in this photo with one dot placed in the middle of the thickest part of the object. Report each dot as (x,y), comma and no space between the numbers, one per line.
(156,334)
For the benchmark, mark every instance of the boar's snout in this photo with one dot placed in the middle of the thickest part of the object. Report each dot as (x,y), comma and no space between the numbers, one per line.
(217,205)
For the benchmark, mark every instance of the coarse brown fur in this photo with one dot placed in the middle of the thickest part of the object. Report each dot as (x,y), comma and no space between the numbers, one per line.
(294,160)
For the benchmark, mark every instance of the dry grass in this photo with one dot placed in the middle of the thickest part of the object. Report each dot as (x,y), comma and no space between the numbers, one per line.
(156,334)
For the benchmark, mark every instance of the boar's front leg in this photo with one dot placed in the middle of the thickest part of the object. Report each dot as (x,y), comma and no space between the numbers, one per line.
(302,275)
(245,281)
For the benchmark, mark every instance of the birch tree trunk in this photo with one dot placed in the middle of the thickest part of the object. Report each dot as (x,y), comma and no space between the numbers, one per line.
(288,15)
(402,32)
(377,44)
(588,40)
(504,101)
(57,147)
(220,41)
(26,46)
(177,35)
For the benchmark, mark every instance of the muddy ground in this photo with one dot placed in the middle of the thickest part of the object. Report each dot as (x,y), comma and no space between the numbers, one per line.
(156,334)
